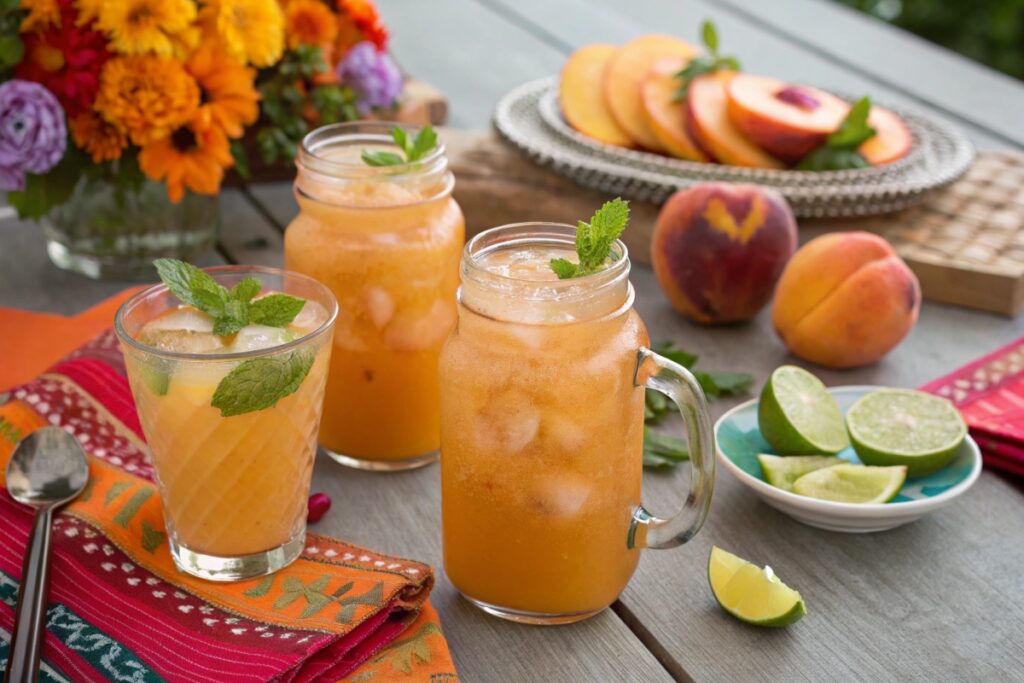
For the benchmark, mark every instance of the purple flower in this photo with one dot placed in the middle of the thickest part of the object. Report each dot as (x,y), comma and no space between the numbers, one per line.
(373,76)
(32,132)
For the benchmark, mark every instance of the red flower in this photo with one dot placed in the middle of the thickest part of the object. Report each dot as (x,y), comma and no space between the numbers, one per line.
(66,59)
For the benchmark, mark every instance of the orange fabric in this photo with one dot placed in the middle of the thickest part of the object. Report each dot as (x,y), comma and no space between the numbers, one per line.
(31,342)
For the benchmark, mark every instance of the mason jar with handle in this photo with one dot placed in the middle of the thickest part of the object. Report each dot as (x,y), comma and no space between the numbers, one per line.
(542,428)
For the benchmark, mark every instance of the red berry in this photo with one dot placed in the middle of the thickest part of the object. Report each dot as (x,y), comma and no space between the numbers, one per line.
(319,504)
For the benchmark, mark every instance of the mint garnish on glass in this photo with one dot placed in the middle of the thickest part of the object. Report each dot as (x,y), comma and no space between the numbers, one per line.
(840,149)
(594,240)
(705,64)
(256,383)
(414,149)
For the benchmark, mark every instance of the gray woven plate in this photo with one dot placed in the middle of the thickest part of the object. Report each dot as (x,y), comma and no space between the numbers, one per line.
(529,117)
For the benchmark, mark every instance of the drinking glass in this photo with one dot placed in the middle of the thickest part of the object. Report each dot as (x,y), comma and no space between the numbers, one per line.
(542,429)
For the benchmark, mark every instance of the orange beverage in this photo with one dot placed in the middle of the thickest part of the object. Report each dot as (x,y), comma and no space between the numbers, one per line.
(386,241)
(234,487)
(542,402)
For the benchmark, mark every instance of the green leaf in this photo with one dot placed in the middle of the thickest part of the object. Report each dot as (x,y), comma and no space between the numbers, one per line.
(177,275)
(276,310)
(379,158)
(246,289)
(43,192)
(669,350)
(260,383)
(662,450)
(563,268)
(730,382)
(831,159)
(709,34)
(401,139)
(241,159)
(854,130)
(11,50)
(426,141)
(156,380)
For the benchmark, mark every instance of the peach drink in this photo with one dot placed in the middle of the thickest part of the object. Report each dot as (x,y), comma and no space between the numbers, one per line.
(542,401)
(387,242)
(234,487)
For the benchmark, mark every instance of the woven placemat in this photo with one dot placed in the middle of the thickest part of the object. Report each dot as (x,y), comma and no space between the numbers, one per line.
(966,243)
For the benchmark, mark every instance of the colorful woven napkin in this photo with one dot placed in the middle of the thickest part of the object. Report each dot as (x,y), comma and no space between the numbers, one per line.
(989,393)
(120,610)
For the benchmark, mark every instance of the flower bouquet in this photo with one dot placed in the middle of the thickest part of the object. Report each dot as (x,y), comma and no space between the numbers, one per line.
(120,118)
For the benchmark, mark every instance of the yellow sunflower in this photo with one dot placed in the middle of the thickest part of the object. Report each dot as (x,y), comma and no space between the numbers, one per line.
(41,13)
(252,30)
(140,26)
(149,96)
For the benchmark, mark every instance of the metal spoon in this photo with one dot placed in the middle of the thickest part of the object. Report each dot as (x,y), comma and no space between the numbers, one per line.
(46,470)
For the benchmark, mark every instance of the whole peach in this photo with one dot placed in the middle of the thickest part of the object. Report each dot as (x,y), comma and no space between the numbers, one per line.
(845,300)
(719,248)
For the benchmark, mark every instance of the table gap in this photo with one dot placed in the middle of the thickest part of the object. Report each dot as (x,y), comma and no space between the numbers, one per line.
(653,645)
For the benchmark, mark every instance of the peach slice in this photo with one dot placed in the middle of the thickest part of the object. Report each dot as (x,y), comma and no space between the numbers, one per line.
(581,95)
(707,120)
(892,139)
(665,116)
(787,121)
(624,77)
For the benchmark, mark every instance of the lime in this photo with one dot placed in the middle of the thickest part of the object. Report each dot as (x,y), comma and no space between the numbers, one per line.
(798,416)
(752,594)
(853,483)
(905,427)
(782,471)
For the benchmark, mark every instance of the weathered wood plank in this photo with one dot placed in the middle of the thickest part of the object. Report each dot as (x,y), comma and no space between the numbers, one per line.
(916,603)
(962,87)
(761,52)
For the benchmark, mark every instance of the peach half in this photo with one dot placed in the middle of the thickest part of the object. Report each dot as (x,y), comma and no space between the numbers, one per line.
(624,76)
(665,116)
(892,138)
(708,122)
(787,121)
(845,300)
(581,95)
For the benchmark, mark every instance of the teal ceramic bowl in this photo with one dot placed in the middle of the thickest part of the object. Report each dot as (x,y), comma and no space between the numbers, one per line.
(739,440)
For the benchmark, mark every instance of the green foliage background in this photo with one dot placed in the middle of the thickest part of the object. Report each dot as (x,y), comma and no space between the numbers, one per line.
(989,31)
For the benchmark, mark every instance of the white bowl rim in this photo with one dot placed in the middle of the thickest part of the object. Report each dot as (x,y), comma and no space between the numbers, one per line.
(872,510)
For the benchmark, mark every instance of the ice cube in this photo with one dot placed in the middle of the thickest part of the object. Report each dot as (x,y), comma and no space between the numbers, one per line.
(561,495)
(181,341)
(414,330)
(181,318)
(309,319)
(508,423)
(570,434)
(379,304)
(256,337)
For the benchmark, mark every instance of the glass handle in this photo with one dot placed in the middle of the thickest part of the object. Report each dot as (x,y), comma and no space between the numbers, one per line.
(676,382)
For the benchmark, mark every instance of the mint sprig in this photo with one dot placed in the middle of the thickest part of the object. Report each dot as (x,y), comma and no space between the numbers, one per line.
(705,64)
(414,149)
(661,450)
(231,309)
(260,383)
(594,240)
(840,149)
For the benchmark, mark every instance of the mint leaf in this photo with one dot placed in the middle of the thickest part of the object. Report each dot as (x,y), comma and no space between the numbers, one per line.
(717,384)
(594,240)
(425,141)
(276,310)
(375,158)
(233,317)
(840,149)
(156,380)
(704,64)
(260,383)
(669,350)
(709,34)
(177,275)
(662,450)
(246,289)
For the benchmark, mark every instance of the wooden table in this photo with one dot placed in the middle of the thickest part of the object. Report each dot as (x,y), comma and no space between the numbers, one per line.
(938,600)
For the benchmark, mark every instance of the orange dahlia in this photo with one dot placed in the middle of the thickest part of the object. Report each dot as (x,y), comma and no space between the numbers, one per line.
(359,20)
(309,22)
(104,141)
(149,96)
(190,158)
(41,14)
(229,99)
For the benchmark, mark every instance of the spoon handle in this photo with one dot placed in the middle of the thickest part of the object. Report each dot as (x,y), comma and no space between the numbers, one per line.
(30,618)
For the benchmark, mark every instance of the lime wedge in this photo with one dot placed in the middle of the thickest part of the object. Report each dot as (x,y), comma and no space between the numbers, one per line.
(852,483)
(905,427)
(752,594)
(781,472)
(798,416)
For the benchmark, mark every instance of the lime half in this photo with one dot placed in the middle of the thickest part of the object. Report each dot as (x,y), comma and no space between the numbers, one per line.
(782,471)
(752,594)
(905,427)
(853,483)
(798,416)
